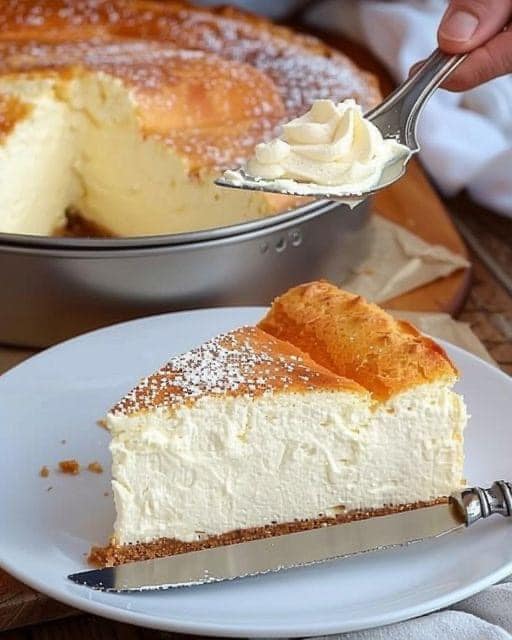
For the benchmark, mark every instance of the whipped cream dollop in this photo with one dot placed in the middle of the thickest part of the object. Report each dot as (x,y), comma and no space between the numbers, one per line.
(332,145)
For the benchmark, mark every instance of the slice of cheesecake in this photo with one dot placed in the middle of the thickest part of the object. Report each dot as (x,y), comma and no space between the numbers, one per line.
(249,436)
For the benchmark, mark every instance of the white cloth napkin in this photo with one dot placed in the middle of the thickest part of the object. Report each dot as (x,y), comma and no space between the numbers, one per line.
(486,616)
(466,138)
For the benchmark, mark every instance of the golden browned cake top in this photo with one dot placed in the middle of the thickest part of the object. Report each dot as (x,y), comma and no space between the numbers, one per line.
(246,361)
(262,75)
(211,110)
(12,111)
(301,66)
(356,339)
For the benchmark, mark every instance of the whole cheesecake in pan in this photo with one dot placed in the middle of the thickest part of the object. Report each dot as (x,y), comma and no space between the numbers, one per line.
(125,111)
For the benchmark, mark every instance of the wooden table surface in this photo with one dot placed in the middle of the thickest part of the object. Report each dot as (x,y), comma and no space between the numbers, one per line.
(488,307)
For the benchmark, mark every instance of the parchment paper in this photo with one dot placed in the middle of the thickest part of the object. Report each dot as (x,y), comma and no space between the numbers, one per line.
(399,261)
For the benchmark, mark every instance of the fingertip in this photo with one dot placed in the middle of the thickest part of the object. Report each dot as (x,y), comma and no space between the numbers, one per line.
(452,46)
(468,24)
(459,26)
(457,30)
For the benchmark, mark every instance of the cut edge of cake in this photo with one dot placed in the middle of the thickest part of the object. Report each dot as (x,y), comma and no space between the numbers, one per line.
(104,149)
(207,84)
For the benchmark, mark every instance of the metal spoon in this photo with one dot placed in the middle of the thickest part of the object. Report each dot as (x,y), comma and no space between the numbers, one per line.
(396,117)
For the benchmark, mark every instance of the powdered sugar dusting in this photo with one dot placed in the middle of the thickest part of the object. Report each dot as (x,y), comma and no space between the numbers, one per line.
(243,362)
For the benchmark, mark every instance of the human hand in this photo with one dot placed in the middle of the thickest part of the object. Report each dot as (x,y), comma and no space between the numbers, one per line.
(482,28)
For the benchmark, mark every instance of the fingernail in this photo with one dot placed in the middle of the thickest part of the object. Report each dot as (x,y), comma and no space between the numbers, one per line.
(460,25)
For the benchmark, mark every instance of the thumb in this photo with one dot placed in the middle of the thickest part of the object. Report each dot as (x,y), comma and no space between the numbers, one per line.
(467,24)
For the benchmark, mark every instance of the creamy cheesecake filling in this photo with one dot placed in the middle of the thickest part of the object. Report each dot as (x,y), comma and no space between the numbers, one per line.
(81,146)
(239,462)
(37,181)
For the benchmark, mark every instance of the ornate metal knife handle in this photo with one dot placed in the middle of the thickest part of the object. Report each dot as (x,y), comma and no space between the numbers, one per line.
(478,503)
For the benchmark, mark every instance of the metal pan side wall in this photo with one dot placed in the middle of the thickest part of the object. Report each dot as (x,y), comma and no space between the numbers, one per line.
(51,295)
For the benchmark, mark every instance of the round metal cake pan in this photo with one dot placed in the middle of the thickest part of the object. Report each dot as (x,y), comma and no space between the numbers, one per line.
(55,288)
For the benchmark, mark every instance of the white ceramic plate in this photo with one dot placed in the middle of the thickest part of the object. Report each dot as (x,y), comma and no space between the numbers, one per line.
(44,535)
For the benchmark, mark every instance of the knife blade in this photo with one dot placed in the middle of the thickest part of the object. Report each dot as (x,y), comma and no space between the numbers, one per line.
(276,553)
(305,548)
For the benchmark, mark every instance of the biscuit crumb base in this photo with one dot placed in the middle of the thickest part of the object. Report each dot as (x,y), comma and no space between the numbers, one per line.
(114,554)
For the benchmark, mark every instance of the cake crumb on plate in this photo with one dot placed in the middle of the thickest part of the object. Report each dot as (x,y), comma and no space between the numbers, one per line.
(71,467)
(95,467)
(44,472)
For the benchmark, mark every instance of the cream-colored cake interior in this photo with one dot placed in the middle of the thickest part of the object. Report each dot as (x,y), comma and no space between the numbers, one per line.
(238,462)
(81,146)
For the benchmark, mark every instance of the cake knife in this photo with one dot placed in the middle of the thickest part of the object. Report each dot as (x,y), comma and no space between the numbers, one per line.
(303,548)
